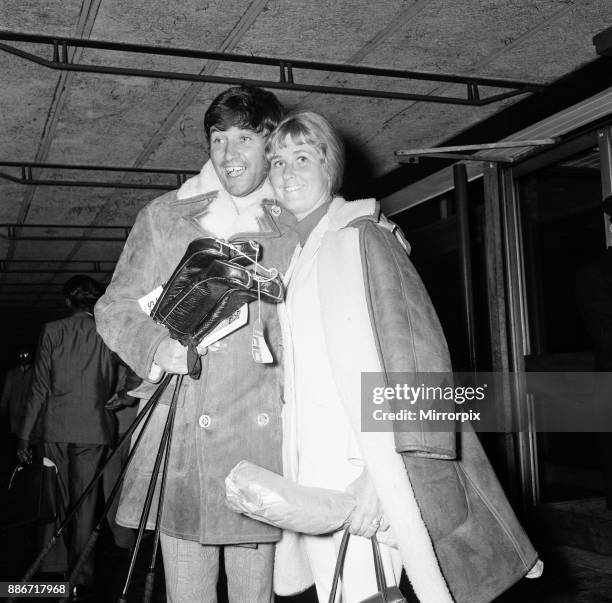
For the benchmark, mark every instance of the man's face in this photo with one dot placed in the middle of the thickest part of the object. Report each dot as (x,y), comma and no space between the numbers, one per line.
(238,158)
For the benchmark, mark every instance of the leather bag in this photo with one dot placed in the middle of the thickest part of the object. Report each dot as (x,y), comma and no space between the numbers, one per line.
(212,280)
(32,494)
(385,594)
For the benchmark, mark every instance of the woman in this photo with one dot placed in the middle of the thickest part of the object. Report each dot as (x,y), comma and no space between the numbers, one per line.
(355,304)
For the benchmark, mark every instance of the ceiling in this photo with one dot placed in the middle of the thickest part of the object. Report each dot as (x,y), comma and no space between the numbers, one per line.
(68,117)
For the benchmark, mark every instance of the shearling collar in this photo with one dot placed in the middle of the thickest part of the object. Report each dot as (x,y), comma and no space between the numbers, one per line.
(341,212)
(212,209)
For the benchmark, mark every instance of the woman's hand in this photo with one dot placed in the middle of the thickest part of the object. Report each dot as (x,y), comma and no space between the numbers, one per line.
(367,517)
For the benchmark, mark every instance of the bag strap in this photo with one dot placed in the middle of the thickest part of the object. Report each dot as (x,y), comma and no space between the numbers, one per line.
(381,581)
(339,565)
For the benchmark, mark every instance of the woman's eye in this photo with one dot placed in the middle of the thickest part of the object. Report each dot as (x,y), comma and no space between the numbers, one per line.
(276,163)
(245,139)
(302,158)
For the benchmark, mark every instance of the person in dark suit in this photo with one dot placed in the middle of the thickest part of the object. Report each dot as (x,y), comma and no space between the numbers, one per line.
(75,374)
(15,393)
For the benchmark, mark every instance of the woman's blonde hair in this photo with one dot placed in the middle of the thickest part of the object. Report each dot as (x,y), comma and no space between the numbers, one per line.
(313,129)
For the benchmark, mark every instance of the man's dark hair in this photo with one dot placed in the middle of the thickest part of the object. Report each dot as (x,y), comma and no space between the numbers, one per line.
(82,291)
(245,107)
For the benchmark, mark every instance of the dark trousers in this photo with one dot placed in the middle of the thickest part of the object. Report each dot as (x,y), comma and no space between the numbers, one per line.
(76,466)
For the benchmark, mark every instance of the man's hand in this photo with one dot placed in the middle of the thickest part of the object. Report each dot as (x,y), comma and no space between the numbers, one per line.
(367,517)
(24,452)
(213,347)
(116,402)
(171,357)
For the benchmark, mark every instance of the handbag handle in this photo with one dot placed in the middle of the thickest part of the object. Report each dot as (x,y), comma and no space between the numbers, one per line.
(381,581)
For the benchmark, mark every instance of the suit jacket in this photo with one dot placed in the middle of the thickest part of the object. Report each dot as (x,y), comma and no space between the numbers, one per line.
(74,375)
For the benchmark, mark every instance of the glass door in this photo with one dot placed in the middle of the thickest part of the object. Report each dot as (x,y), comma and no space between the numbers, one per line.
(563,233)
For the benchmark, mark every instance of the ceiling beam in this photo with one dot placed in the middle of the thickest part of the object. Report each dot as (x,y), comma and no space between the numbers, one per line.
(287,76)
(54,271)
(95,266)
(14,232)
(26,175)
(459,151)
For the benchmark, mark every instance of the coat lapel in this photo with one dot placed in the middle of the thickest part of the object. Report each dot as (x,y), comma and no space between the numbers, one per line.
(271,222)
(194,209)
(214,214)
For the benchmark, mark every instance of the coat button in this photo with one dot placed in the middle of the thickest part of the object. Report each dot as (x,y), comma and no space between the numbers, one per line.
(275,210)
(263,419)
(204,421)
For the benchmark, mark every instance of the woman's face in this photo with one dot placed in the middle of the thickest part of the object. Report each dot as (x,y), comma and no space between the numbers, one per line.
(299,177)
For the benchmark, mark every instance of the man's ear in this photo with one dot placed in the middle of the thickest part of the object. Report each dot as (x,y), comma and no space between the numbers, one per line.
(68,303)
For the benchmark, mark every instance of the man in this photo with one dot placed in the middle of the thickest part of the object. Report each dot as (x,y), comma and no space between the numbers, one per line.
(233,411)
(74,375)
(15,392)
